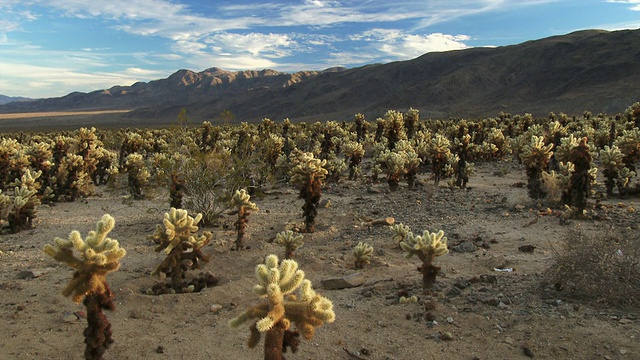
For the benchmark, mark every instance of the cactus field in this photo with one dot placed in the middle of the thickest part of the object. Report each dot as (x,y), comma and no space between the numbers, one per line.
(503,238)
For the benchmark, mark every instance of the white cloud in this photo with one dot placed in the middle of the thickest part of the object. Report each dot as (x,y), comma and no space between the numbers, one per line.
(398,45)
(272,45)
(635,4)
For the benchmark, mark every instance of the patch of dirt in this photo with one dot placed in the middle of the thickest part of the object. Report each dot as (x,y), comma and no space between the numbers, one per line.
(480,313)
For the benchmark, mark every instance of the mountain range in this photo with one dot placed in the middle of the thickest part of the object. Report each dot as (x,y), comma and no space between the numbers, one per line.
(592,70)
(7,99)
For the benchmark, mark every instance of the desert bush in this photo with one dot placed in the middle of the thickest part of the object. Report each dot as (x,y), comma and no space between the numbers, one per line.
(603,267)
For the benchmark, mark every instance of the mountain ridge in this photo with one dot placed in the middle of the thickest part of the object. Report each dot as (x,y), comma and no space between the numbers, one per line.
(586,70)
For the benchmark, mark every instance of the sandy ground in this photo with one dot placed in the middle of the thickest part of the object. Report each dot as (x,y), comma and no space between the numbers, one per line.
(513,317)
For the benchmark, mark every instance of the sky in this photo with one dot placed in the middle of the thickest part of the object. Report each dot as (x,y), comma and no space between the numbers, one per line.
(49,48)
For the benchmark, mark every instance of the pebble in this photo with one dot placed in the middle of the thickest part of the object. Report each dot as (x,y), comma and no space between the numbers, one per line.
(450,320)
(215,308)
(69,317)
(623,351)
(446,336)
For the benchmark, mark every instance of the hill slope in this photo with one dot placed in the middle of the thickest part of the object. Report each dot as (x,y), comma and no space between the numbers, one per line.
(587,70)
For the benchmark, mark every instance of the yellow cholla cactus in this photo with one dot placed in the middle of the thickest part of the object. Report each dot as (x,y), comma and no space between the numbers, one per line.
(426,245)
(308,170)
(290,242)
(291,299)
(98,256)
(536,154)
(241,199)
(400,232)
(362,254)
(178,227)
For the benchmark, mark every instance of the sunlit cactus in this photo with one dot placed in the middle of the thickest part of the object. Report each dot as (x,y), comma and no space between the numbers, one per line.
(177,237)
(400,232)
(241,202)
(579,186)
(394,128)
(612,162)
(137,174)
(97,255)
(290,300)
(393,164)
(23,209)
(290,242)
(354,151)
(362,255)
(439,153)
(535,157)
(309,175)
(426,247)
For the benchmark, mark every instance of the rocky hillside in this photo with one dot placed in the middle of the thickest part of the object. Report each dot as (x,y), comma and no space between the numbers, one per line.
(587,70)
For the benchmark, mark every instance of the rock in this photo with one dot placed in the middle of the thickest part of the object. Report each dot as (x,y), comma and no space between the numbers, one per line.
(80,314)
(344,282)
(446,336)
(388,221)
(215,308)
(520,208)
(623,351)
(465,246)
(450,320)
(34,273)
(527,248)
(69,317)
(324,204)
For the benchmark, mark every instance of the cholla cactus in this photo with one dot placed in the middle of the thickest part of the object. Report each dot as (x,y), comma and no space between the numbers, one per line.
(137,174)
(394,127)
(400,232)
(240,201)
(29,180)
(178,238)
(73,181)
(427,247)
(23,209)
(291,299)
(309,175)
(393,165)
(623,180)
(289,241)
(611,159)
(535,157)
(335,166)
(98,256)
(629,144)
(362,254)
(579,186)
(354,151)
(439,154)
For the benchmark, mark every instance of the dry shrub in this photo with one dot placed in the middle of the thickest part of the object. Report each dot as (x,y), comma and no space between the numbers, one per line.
(600,266)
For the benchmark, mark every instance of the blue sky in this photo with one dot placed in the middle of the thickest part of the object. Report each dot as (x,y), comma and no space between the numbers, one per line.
(50,48)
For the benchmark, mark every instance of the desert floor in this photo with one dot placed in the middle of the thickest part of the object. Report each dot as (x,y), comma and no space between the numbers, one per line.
(514,317)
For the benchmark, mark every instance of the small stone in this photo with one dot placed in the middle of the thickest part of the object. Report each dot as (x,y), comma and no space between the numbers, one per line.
(520,208)
(450,320)
(215,308)
(324,204)
(33,273)
(21,307)
(344,282)
(465,246)
(625,321)
(69,317)
(446,336)
(80,314)
(502,305)
(623,351)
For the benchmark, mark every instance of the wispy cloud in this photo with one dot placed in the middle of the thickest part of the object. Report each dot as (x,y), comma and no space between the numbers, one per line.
(635,4)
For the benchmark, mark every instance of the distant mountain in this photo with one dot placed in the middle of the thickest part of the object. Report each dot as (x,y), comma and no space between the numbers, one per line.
(7,99)
(588,70)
